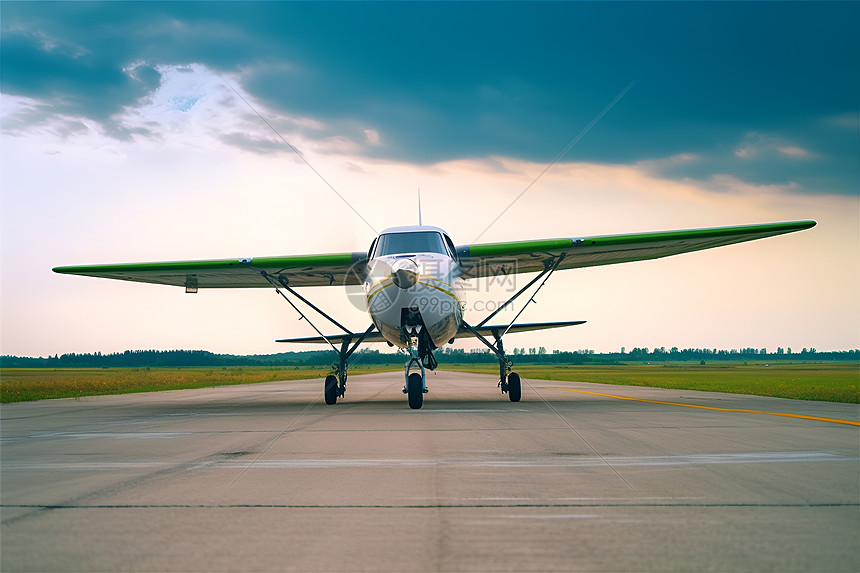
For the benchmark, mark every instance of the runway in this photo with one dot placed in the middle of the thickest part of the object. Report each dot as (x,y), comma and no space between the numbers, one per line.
(266,477)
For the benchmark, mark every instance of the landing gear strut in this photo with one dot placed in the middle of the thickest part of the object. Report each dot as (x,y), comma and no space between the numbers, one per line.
(509,381)
(335,382)
(416,381)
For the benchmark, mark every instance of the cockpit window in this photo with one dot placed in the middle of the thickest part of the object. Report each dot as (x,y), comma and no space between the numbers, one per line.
(410,243)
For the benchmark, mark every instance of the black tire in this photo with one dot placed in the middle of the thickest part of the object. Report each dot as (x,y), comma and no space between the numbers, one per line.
(415,391)
(515,387)
(331,390)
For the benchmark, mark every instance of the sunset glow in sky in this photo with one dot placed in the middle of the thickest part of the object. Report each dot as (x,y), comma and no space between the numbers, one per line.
(130,133)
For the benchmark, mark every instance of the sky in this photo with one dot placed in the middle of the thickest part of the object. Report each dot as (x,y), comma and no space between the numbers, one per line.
(151,131)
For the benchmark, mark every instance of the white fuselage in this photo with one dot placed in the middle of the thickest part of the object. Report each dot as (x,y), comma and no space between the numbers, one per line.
(413,283)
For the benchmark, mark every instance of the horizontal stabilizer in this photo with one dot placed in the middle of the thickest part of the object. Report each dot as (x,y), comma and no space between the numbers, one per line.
(486,331)
(336,338)
(498,329)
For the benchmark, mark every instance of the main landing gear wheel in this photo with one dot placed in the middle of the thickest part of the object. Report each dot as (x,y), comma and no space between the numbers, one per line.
(330,389)
(415,391)
(515,388)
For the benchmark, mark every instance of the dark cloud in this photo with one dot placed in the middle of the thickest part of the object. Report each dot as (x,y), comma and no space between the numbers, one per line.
(442,81)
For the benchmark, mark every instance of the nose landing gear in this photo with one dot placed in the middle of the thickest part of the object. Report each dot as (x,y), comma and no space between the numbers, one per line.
(416,375)
(415,390)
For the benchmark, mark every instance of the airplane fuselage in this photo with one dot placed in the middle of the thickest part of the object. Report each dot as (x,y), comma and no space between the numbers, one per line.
(413,287)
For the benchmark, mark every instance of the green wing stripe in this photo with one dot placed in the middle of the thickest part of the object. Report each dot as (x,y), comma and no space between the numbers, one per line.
(758,231)
(494,259)
(302,270)
(519,247)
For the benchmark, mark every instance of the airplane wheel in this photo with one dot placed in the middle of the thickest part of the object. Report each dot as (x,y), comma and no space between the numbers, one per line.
(415,391)
(330,389)
(515,387)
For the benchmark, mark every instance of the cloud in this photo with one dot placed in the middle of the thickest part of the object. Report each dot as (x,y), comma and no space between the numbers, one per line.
(451,85)
(757,145)
(667,164)
(794,151)
(372,136)
(188,195)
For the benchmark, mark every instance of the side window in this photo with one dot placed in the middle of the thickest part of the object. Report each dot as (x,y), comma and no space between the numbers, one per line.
(452,250)
(370,250)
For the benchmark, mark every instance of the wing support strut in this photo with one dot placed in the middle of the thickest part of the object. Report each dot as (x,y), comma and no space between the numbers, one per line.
(282,283)
(335,386)
(509,381)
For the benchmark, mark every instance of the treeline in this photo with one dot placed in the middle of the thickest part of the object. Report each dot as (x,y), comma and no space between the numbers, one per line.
(314,358)
(540,356)
(189,358)
(673,354)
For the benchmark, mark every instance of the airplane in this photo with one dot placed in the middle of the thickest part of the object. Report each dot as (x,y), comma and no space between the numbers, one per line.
(412,281)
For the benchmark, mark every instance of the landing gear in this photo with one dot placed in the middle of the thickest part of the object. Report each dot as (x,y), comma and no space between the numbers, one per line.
(335,382)
(415,381)
(515,389)
(331,389)
(415,390)
(416,375)
(509,382)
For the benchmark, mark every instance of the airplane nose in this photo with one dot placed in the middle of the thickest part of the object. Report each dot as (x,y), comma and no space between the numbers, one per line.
(404,278)
(405,273)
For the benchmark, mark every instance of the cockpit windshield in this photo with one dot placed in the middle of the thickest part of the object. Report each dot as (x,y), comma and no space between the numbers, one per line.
(410,243)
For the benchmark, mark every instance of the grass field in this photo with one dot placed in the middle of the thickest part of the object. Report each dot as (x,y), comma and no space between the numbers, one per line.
(23,384)
(834,382)
(831,382)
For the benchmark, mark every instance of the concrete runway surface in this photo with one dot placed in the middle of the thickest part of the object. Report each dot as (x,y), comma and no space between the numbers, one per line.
(266,477)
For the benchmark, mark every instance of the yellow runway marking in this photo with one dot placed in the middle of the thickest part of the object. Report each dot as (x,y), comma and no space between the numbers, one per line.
(802,417)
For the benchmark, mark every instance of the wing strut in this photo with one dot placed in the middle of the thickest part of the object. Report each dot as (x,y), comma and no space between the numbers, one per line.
(548,272)
(503,306)
(283,284)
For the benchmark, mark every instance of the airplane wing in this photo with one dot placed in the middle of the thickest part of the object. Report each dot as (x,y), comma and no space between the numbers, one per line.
(305,270)
(495,259)
(478,260)
(486,331)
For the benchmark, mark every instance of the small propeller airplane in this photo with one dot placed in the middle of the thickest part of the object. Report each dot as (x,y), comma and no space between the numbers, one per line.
(413,278)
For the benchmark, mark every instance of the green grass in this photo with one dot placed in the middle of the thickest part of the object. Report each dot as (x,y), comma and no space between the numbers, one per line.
(832,382)
(24,384)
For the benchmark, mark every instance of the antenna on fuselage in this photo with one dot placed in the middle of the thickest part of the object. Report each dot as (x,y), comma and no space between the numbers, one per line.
(419,207)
